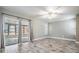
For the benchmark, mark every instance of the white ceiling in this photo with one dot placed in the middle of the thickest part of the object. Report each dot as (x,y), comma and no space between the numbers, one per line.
(34,12)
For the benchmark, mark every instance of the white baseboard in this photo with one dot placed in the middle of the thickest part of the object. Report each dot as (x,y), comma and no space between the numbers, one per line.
(63,38)
(55,38)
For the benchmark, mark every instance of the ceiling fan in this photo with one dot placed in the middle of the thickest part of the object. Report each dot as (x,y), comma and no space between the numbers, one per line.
(50,12)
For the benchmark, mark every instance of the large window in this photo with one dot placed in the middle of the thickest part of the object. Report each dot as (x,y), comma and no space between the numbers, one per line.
(15,31)
(11,25)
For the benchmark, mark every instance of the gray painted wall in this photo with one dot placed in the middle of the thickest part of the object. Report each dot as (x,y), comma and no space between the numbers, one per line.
(39,28)
(1,30)
(63,29)
(77,29)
